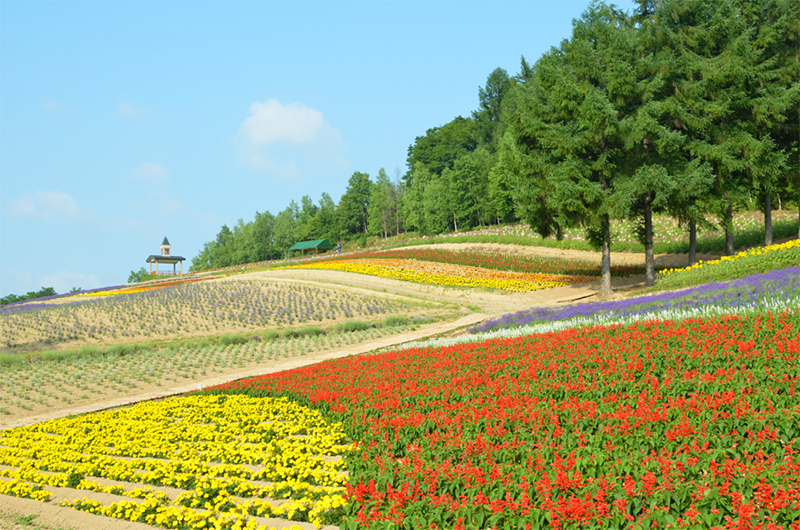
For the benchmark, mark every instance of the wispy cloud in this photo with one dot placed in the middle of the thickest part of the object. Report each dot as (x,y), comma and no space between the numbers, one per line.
(153,173)
(52,105)
(65,280)
(46,206)
(286,140)
(128,110)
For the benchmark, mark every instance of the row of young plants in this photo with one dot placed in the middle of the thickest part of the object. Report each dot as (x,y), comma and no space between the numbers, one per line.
(654,424)
(235,457)
(186,310)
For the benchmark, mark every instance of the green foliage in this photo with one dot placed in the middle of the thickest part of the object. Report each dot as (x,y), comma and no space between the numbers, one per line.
(352,211)
(353,325)
(225,340)
(395,320)
(305,331)
(138,276)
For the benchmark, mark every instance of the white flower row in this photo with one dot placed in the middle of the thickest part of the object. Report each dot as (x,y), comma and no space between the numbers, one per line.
(763,306)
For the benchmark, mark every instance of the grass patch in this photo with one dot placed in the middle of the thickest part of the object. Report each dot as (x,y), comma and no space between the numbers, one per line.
(395,321)
(305,331)
(225,340)
(354,325)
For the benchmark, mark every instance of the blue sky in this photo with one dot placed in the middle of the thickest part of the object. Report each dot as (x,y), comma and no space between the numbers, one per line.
(124,122)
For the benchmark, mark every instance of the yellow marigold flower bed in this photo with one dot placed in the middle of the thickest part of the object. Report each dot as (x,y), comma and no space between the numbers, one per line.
(448,274)
(756,251)
(236,457)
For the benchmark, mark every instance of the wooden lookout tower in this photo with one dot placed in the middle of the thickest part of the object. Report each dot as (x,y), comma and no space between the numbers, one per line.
(165,257)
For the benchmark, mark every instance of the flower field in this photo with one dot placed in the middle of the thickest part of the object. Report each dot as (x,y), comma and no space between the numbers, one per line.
(447,274)
(774,290)
(670,410)
(655,424)
(496,261)
(226,462)
(188,309)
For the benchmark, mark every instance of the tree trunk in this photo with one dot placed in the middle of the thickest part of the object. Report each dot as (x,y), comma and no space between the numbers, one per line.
(729,230)
(767,219)
(605,280)
(649,259)
(455,223)
(692,242)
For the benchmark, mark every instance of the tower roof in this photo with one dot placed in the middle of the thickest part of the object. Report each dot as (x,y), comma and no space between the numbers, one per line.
(165,242)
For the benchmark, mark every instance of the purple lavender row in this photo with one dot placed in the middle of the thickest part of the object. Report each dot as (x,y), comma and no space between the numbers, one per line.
(36,303)
(746,291)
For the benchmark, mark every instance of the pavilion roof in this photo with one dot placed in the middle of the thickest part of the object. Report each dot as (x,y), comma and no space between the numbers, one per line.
(156,258)
(310,245)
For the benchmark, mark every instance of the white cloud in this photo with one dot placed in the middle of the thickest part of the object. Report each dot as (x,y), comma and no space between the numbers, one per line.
(46,205)
(128,110)
(148,172)
(52,105)
(288,140)
(65,280)
(272,121)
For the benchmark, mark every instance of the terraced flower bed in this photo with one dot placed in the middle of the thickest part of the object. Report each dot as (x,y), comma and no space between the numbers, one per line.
(655,424)
(217,462)
(496,261)
(447,274)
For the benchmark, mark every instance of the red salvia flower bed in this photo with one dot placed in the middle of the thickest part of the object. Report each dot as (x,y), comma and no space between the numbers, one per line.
(653,425)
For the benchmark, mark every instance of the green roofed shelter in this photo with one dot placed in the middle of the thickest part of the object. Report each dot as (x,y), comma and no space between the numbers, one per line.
(165,257)
(316,246)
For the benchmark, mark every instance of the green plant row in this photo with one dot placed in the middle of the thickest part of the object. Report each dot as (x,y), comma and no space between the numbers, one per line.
(223,340)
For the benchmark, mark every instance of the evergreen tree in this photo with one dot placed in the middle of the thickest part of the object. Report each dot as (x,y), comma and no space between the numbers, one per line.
(568,136)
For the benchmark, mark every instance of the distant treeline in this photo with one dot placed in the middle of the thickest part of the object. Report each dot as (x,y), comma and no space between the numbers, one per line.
(685,107)
(11,298)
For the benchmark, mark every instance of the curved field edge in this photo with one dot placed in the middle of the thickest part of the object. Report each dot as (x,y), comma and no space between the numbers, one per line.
(690,423)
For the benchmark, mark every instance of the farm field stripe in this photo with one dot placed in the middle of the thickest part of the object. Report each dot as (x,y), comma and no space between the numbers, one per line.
(448,275)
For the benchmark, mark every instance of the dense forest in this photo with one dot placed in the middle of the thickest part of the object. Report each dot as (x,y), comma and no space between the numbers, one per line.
(689,108)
